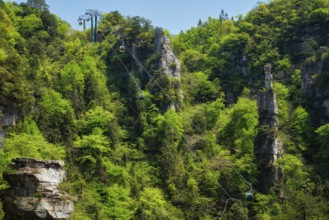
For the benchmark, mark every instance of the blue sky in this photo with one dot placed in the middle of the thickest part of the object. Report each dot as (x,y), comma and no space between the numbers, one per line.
(172,15)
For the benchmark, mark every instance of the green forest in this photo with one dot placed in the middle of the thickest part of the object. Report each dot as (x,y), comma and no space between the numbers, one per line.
(139,143)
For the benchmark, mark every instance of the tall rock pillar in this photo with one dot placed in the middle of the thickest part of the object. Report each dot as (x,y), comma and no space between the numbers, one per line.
(268,147)
(168,62)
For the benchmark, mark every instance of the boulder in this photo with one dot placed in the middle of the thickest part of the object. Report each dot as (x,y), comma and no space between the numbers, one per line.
(33,192)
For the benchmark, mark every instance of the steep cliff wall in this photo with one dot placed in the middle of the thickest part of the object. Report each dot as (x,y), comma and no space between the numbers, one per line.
(33,192)
(315,80)
(268,147)
(168,62)
(6,120)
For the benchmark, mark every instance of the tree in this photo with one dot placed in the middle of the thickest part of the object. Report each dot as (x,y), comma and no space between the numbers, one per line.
(29,25)
(152,205)
(194,60)
(201,89)
(29,135)
(73,84)
(96,91)
(40,4)
(170,159)
(301,200)
(301,128)
(118,205)
(323,139)
(15,92)
(238,133)
(213,110)
(56,118)
(90,150)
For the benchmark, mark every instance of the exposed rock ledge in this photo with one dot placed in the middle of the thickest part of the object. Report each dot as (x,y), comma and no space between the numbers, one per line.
(33,192)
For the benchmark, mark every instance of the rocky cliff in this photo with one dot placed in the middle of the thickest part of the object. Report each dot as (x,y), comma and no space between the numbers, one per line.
(168,62)
(6,120)
(33,192)
(268,146)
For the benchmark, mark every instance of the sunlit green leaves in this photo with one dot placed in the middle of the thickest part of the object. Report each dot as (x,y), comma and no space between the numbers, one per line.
(152,205)
(301,128)
(119,205)
(323,138)
(57,119)
(239,126)
(29,25)
(29,142)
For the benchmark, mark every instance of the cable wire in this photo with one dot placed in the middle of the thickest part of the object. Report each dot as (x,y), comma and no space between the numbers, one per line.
(195,126)
(165,93)
(168,96)
(132,76)
(181,138)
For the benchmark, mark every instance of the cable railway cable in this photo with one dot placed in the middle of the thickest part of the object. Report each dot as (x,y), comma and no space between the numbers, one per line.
(140,93)
(249,196)
(230,198)
(167,95)
(143,67)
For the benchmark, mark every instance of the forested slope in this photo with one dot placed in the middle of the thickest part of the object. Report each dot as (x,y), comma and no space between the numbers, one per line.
(140,143)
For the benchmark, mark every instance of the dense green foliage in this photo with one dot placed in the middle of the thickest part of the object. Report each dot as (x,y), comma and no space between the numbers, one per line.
(129,158)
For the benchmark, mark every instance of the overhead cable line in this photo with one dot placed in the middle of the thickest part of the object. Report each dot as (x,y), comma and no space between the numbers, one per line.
(230,198)
(168,96)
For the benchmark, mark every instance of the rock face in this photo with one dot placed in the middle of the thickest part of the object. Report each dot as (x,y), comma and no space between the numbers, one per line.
(315,88)
(6,120)
(33,192)
(168,61)
(326,106)
(268,147)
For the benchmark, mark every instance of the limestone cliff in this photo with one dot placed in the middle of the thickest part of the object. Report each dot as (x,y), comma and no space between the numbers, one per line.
(314,72)
(6,120)
(168,62)
(268,147)
(33,192)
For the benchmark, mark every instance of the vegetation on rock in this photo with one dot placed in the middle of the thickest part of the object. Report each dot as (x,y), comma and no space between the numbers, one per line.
(132,158)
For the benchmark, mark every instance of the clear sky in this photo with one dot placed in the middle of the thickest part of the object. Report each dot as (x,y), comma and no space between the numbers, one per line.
(172,15)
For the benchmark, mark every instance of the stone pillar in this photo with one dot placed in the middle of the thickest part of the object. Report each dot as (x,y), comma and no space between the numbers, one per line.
(268,76)
(268,147)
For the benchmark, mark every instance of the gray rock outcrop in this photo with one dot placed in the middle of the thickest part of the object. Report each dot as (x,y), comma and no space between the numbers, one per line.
(314,85)
(6,120)
(268,147)
(33,192)
(326,106)
(168,62)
